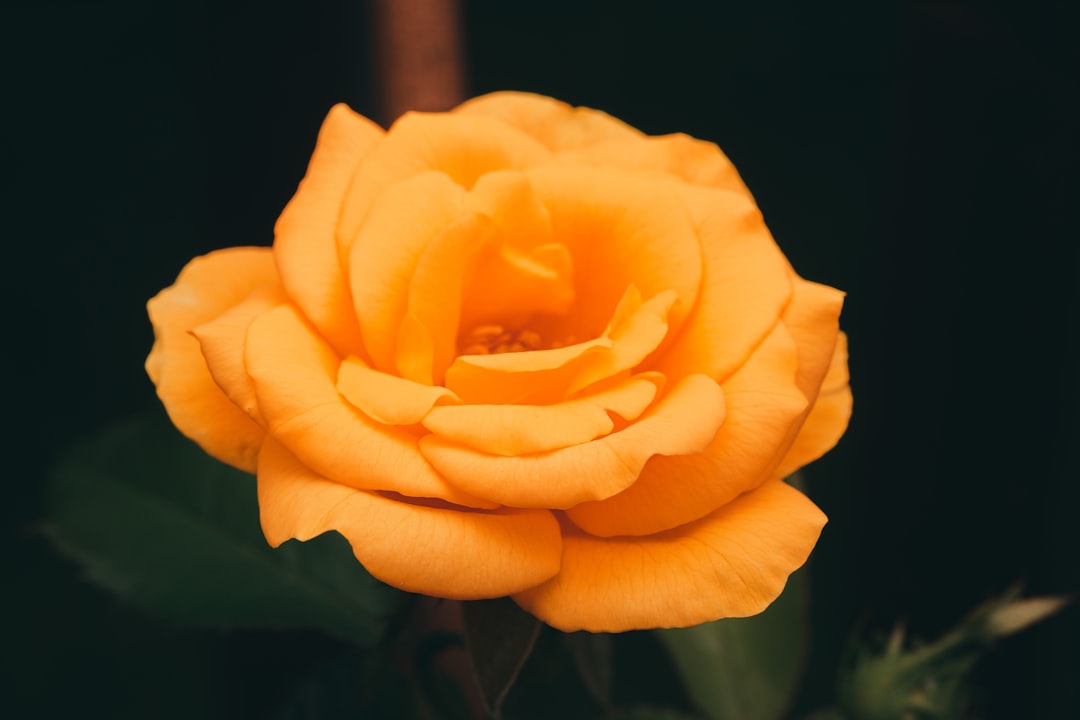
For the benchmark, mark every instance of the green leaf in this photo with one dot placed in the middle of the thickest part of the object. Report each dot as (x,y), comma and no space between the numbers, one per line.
(176,533)
(744,668)
(645,712)
(499,636)
(592,658)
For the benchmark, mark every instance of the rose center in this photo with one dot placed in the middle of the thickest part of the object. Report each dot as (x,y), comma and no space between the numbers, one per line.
(492,339)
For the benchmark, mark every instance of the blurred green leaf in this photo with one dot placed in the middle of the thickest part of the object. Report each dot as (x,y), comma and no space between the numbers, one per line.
(499,637)
(174,532)
(592,658)
(644,712)
(744,668)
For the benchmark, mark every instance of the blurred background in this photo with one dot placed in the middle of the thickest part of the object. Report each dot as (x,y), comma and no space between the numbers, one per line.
(920,156)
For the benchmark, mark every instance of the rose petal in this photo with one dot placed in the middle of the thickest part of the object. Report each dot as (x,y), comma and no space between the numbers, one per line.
(523,429)
(694,161)
(463,148)
(732,563)
(621,230)
(387,250)
(684,421)
(535,377)
(207,287)
(557,125)
(222,343)
(295,375)
(543,377)
(763,405)
(828,419)
(813,318)
(436,551)
(304,236)
(526,272)
(386,398)
(435,297)
(636,330)
(747,284)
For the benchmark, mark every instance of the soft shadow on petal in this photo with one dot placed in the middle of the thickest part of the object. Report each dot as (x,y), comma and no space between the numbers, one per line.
(295,375)
(387,398)
(683,422)
(439,551)
(747,284)
(524,429)
(554,123)
(732,563)
(763,405)
(387,250)
(304,238)
(828,419)
(207,287)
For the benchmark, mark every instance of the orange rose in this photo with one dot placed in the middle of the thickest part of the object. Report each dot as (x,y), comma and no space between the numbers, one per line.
(520,349)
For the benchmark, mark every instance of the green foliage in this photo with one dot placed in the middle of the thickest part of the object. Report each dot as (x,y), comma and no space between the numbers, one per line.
(499,637)
(175,533)
(745,668)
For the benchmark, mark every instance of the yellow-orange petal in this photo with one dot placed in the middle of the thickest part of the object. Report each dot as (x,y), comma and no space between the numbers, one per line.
(763,405)
(206,287)
(533,377)
(463,148)
(828,419)
(621,230)
(524,429)
(435,298)
(525,272)
(295,375)
(813,318)
(222,343)
(694,161)
(386,398)
(557,125)
(731,563)
(684,421)
(386,251)
(636,330)
(305,235)
(440,551)
(746,285)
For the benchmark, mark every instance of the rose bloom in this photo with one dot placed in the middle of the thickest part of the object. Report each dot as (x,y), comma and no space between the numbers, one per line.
(520,349)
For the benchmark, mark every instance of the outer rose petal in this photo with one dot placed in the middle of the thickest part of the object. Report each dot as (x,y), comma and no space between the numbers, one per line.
(683,422)
(304,237)
(431,550)
(295,376)
(222,342)
(763,406)
(732,563)
(207,287)
(827,419)
(747,284)
(555,124)
(694,161)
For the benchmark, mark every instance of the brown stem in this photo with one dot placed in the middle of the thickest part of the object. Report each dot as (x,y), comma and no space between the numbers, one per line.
(419,55)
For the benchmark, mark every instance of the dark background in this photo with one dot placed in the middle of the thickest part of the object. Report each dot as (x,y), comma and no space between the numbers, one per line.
(920,156)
